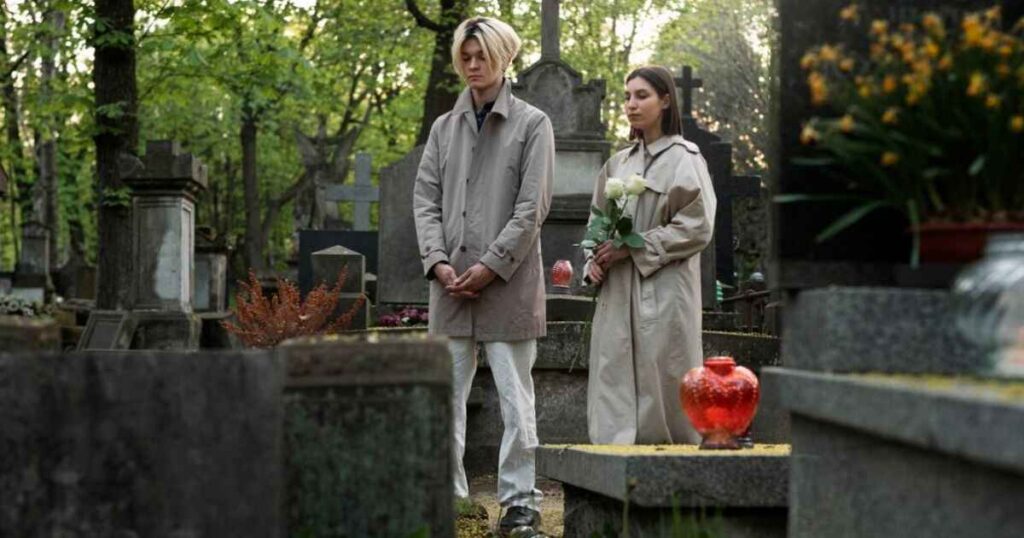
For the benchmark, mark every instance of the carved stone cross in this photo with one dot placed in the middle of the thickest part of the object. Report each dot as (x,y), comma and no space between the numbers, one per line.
(686,85)
(550,47)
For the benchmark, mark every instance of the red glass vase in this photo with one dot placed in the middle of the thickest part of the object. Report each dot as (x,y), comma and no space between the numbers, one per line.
(720,399)
(561,274)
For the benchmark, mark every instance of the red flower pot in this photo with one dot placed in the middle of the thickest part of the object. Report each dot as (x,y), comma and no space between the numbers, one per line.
(561,274)
(959,242)
(720,399)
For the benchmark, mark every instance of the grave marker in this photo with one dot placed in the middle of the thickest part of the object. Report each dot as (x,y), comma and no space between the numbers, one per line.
(361,194)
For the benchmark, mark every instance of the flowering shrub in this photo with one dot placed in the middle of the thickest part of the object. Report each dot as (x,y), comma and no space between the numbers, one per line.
(406,317)
(930,121)
(16,306)
(267,321)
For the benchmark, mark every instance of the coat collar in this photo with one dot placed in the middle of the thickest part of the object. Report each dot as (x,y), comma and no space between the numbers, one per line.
(662,182)
(658,146)
(464,104)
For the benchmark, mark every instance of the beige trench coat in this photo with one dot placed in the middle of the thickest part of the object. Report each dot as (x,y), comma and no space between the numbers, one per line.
(647,326)
(482,197)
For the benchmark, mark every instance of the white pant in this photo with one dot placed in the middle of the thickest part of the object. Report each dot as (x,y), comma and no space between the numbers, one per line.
(510,364)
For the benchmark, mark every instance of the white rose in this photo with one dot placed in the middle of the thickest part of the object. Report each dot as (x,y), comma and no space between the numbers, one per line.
(614,188)
(635,185)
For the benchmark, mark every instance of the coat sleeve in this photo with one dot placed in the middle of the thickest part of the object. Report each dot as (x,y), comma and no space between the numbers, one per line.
(426,206)
(597,200)
(520,233)
(691,204)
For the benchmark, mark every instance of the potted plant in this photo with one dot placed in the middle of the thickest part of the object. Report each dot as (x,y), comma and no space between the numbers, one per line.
(929,120)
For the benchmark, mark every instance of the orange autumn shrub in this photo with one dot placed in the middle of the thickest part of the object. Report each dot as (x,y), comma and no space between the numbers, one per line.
(264,322)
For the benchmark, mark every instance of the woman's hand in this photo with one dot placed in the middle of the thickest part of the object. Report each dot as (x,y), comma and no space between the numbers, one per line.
(607,255)
(595,273)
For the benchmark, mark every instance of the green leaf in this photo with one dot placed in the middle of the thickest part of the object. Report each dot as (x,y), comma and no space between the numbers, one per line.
(634,240)
(624,226)
(977,166)
(848,219)
(596,211)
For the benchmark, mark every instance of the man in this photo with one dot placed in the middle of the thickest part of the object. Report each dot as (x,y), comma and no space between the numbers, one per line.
(482,193)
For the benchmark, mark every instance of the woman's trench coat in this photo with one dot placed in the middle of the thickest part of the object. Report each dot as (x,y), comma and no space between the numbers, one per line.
(482,197)
(647,326)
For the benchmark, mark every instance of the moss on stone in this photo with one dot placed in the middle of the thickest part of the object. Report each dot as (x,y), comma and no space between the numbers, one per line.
(1001,389)
(675,450)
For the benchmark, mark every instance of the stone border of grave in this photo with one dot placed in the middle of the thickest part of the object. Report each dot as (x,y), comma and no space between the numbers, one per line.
(742,493)
(904,455)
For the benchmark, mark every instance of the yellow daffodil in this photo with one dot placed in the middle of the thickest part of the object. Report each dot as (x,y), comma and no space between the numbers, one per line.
(931,49)
(946,63)
(808,61)
(890,158)
(808,135)
(828,53)
(1017,123)
(933,23)
(994,14)
(993,101)
(973,30)
(864,90)
(989,42)
(819,88)
(1006,50)
(890,116)
(846,64)
(879,27)
(850,13)
(846,124)
(877,51)
(978,84)
(889,84)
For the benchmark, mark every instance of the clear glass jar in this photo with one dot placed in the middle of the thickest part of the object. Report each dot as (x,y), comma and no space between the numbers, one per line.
(988,297)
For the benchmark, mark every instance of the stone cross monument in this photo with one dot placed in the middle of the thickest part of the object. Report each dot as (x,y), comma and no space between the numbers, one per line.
(362,194)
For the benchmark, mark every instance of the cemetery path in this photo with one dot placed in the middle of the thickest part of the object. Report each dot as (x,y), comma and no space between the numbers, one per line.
(483,489)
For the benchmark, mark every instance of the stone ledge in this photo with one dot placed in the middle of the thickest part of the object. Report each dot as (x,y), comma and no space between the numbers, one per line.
(650,476)
(978,420)
(846,329)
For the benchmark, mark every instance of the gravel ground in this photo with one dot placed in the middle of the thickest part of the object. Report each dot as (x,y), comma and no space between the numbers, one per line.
(484,491)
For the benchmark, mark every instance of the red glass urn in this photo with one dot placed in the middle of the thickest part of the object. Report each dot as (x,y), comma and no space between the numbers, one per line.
(720,399)
(561,274)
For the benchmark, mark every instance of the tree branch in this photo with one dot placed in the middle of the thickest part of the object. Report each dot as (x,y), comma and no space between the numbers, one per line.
(421,20)
(275,205)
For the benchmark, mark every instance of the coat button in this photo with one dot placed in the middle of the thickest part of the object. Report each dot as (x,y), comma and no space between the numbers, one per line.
(463,213)
(513,259)
(462,248)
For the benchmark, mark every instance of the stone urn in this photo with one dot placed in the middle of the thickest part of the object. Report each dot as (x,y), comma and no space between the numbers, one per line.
(561,274)
(720,400)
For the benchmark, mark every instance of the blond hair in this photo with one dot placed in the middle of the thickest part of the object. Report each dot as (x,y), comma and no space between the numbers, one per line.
(498,41)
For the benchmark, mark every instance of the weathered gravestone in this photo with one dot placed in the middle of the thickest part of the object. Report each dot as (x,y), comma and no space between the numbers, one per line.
(163,223)
(32,274)
(310,241)
(328,265)
(368,433)
(400,271)
(211,275)
(871,252)
(140,443)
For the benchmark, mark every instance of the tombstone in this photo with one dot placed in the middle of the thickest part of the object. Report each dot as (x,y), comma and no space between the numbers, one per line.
(867,253)
(361,194)
(581,149)
(328,264)
(310,241)
(133,444)
(399,274)
(211,275)
(163,221)
(368,433)
(719,255)
(32,274)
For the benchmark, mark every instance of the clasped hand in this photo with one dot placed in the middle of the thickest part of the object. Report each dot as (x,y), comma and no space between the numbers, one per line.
(468,284)
(605,256)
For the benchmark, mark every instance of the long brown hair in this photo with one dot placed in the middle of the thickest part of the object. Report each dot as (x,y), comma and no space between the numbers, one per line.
(661,80)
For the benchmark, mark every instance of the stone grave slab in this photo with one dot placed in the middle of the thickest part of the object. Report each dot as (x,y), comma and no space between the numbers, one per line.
(747,489)
(140,443)
(18,333)
(328,264)
(400,268)
(310,241)
(904,455)
(368,430)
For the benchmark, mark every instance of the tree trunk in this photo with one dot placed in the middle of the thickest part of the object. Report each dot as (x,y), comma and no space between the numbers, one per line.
(18,187)
(48,185)
(443,84)
(116,140)
(253,232)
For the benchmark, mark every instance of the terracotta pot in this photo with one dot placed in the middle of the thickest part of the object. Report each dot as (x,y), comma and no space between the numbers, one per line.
(561,274)
(720,399)
(959,242)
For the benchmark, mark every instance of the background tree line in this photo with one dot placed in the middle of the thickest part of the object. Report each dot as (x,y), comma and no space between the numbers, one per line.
(276,97)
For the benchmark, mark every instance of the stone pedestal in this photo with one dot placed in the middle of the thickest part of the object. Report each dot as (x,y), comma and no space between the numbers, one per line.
(328,264)
(739,494)
(32,273)
(209,291)
(368,433)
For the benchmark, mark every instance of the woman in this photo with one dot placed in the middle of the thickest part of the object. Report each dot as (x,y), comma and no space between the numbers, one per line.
(646,331)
